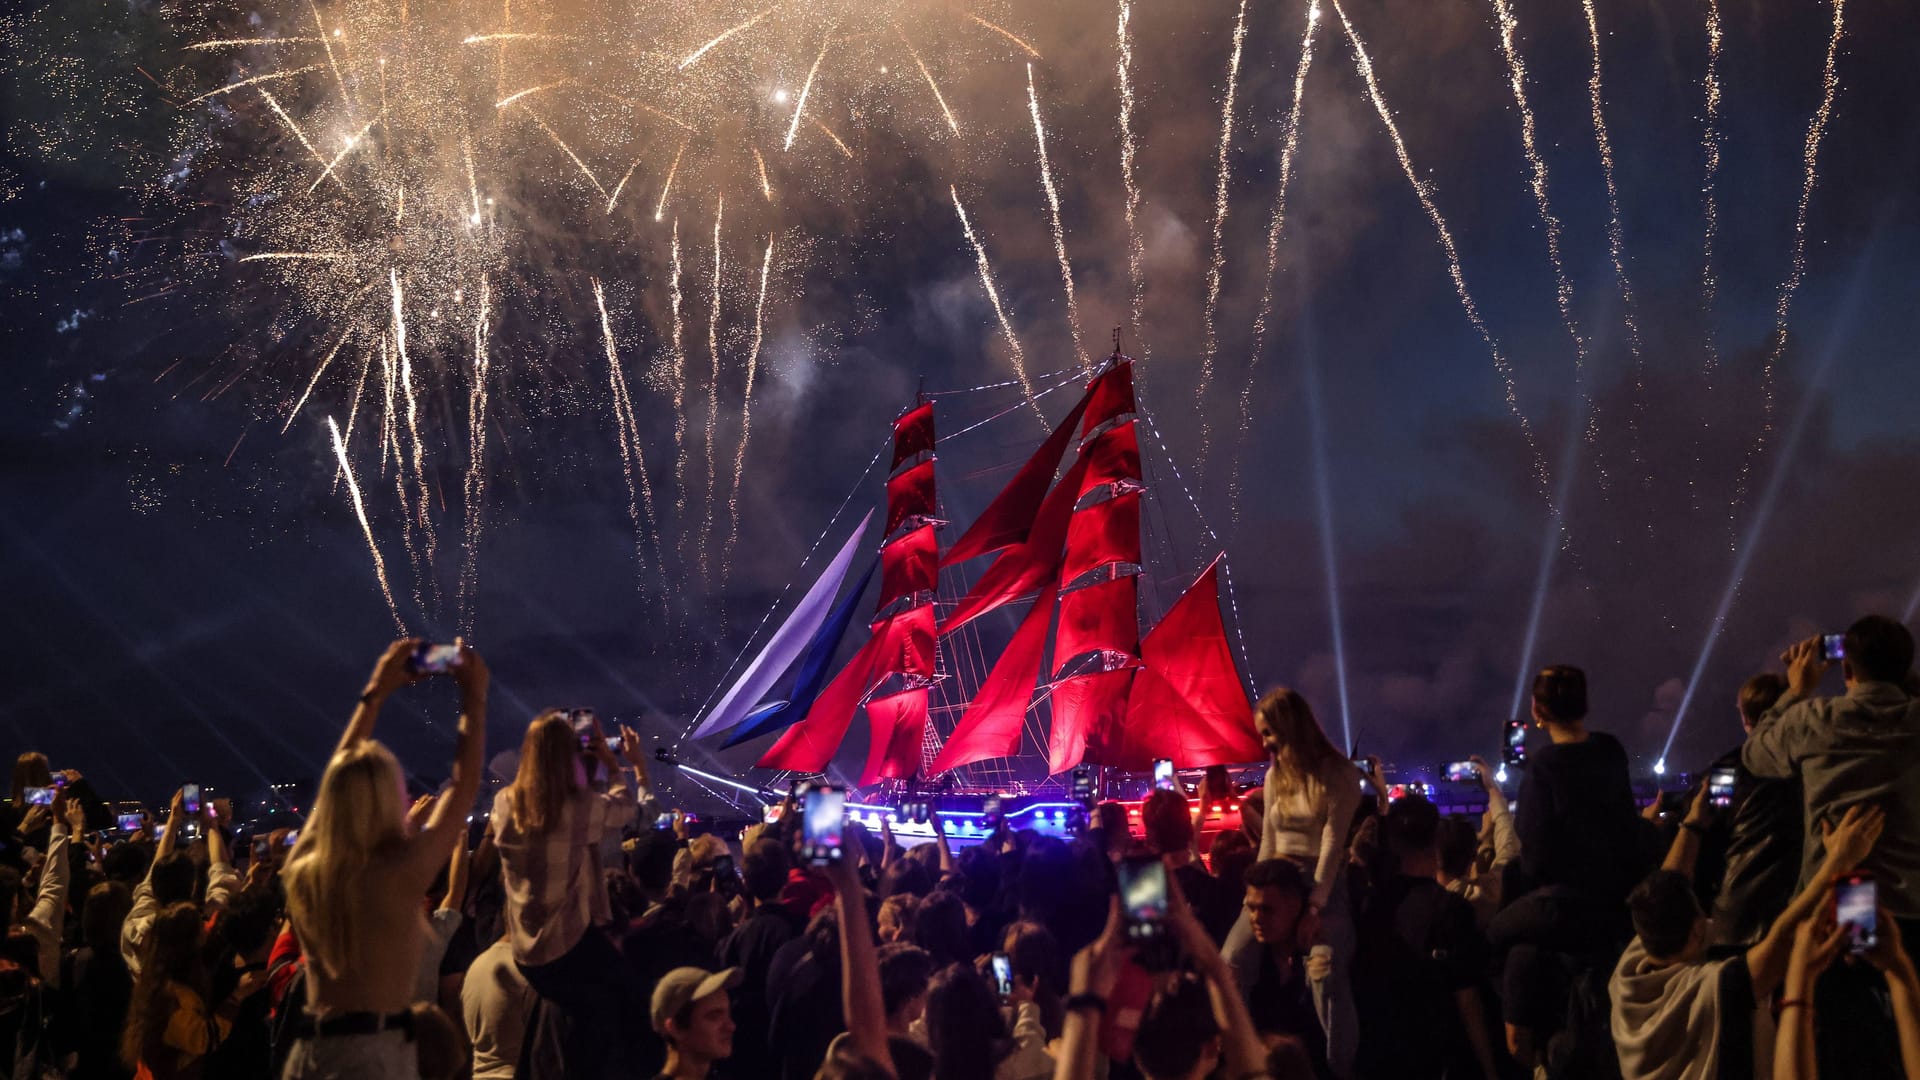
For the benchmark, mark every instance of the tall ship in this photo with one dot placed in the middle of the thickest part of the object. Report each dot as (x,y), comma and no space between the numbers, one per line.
(1077,686)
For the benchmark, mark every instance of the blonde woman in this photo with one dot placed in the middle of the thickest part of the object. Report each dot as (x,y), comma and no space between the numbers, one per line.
(548,825)
(355,878)
(1312,791)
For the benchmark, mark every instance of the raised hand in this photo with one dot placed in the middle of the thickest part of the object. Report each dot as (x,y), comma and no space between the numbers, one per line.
(419,812)
(392,671)
(1097,967)
(1851,841)
(1815,944)
(74,813)
(34,820)
(1486,775)
(1888,954)
(636,754)
(1805,667)
(472,676)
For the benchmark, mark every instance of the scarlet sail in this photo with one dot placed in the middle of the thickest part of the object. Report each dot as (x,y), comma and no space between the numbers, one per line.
(899,722)
(1191,704)
(1099,618)
(910,494)
(913,433)
(1023,569)
(1106,532)
(1084,707)
(1113,457)
(909,565)
(1012,514)
(993,722)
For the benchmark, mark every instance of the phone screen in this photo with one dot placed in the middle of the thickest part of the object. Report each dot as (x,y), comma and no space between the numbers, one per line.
(190,797)
(1855,904)
(664,821)
(1143,895)
(1002,974)
(129,823)
(261,846)
(1463,770)
(1163,779)
(1516,749)
(293,836)
(1833,647)
(822,824)
(990,811)
(582,726)
(723,867)
(39,796)
(1082,785)
(1720,787)
(431,659)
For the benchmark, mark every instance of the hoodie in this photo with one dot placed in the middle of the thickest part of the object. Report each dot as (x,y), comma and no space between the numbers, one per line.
(1863,747)
(1686,1021)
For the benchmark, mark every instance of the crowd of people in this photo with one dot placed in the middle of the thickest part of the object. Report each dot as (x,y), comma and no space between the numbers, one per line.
(574,927)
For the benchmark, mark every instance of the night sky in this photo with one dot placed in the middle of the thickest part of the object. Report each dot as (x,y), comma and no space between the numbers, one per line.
(188,596)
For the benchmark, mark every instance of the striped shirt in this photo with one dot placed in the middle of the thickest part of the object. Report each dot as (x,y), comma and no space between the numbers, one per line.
(555,889)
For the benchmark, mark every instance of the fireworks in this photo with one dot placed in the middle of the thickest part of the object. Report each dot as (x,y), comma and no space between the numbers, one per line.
(1210,343)
(999,310)
(1053,215)
(1136,247)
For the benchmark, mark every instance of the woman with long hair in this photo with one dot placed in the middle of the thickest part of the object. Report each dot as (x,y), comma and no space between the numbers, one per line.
(1311,793)
(170,1029)
(355,879)
(548,826)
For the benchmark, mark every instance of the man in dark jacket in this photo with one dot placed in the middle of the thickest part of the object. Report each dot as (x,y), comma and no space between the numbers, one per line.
(1760,864)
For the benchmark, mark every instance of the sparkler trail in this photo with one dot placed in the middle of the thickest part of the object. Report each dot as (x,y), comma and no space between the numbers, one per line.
(315,381)
(257,79)
(1616,247)
(952,124)
(666,189)
(807,88)
(517,95)
(677,380)
(317,256)
(242,43)
(1289,142)
(1005,33)
(478,39)
(1709,284)
(475,488)
(713,390)
(632,458)
(986,280)
(562,144)
(353,144)
(1444,235)
(1783,307)
(360,511)
(1562,287)
(1136,246)
(1210,346)
(359,391)
(325,165)
(746,407)
(694,57)
(423,509)
(836,139)
(766,188)
(622,186)
(326,43)
(1059,232)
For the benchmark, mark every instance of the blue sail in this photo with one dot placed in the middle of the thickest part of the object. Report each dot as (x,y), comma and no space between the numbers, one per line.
(815,669)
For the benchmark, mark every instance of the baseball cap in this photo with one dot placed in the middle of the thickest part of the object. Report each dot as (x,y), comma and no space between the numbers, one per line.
(684,986)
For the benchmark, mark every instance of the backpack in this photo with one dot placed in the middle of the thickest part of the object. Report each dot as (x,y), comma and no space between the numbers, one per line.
(1583,1047)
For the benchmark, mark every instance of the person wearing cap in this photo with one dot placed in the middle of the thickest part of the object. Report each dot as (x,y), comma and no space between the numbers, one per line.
(691,1011)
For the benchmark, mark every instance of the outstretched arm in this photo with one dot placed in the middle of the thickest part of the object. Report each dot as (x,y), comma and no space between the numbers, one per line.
(1815,943)
(866,1012)
(1846,844)
(1685,851)
(1096,969)
(447,825)
(390,673)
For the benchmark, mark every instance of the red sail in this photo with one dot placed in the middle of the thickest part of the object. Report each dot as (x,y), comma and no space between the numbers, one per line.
(1103,533)
(913,434)
(996,716)
(1025,568)
(1084,707)
(807,746)
(1110,395)
(1011,516)
(899,723)
(1189,703)
(908,494)
(1098,618)
(905,644)
(908,565)
(1112,457)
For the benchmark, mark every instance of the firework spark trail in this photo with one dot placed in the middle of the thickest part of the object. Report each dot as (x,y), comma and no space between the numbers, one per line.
(518,94)
(693,57)
(477,39)
(401,373)
(1006,33)
(1059,232)
(1562,286)
(241,43)
(322,368)
(666,189)
(351,145)
(318,256)
(423,509)
(387,380)
(766,188)
(805,89)
(1709,284)
(1783,307)
(993,294)
(473,182)
(622,186)
(678,382)
(325,165)
(255,80)
(353,413)
(836,139)
(562,144)
(1223,174)
(941,99)
(1616,251)
(476,479)
(713,391)
(360,511)
(1136,246)
(1444,235)
(632,459)
(746,410)
(1289,142)
(332,61)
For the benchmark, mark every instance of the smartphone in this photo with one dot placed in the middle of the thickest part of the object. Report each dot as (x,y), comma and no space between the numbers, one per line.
(1720,787)
(990,813)
(430,659)
(1083,786)
(723,868)
(59,780)
(1459,771)
(39,796)
(129,823)
(262,847)
(1163,778)
(1002,974)
(1515,751)
(1833,647)
(293,836)
(159,831)
(1143,896)
(664,821)
(190,797)
(823,819)
(1856,902)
